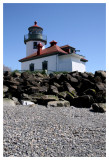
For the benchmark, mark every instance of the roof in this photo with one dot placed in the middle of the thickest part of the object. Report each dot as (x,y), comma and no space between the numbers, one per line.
(35,25)
(45,52)
(66,46)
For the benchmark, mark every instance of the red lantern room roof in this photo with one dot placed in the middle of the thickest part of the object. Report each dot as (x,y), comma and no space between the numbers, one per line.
(35,25)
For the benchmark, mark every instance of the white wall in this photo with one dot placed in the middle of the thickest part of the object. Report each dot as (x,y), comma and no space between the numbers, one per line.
(64,63)
(38,63)
(29,47)
(78,65)
(70,63)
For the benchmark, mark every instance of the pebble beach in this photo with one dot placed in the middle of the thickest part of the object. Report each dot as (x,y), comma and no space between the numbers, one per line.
(39,131)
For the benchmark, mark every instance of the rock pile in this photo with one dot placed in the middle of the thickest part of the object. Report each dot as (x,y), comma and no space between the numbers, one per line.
(80,89)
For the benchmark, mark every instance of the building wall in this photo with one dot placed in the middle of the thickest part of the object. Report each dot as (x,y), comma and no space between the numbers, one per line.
(64,63)
(29,47)
(78,65)
(52,61)
(57,63)
(70,63)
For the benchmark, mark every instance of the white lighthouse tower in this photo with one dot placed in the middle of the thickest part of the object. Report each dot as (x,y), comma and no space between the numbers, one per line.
(33,38)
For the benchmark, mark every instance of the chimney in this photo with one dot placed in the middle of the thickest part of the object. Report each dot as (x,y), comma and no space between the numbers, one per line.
(53,43)
(39,49)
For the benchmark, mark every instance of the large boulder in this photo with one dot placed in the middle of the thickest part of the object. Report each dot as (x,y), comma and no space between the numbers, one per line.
(84,101)
(53,90)
(100,86)
(69,88)
(25,75)
(97,79)
(101,73)
(7,73)
(58,104)
(99,107)
(46,98)
(91,92)
(100,97)
(40,89)
(16,74)
(84,75)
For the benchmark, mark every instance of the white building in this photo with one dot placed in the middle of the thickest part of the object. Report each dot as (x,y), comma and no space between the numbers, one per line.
(53,58)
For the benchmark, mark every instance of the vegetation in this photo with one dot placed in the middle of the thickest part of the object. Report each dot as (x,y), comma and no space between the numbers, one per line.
(63,72)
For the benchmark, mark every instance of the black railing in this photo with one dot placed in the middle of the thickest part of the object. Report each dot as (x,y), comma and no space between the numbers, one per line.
(35,37)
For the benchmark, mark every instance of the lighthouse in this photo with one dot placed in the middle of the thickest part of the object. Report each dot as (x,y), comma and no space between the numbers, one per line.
(53,58)
(33,38)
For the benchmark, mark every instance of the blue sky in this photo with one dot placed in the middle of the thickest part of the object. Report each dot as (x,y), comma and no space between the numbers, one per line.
(81,25)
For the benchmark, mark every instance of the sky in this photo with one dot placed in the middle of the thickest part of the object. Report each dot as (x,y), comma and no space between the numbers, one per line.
(80,25)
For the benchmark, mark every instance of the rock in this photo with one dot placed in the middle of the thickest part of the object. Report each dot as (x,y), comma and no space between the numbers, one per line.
(97,79)
(69,97)
(57,85)
(100,97)
(39,75)
(8,102)
(69,88)
(51,75)
(84,101)
(84,75)
(16,74)
(53,89)
(91,76)
(71,79)
(100,86)
(7,73)
(62,94)
(5,88)
(16,100)
(20,89)
(58,104)
(99,107)
(24,96)
(100,73)
(40,89)
(11,82)
(43,100)
(90,92)
(25,75)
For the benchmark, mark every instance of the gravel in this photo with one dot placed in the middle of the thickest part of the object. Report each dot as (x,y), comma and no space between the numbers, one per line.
(39,131)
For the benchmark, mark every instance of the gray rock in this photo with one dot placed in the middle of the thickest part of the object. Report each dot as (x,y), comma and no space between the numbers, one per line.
(101,73)
(8,102)
(15,100)
(99,107)
(59,104)
(100,86)
(5,88)
(16,74)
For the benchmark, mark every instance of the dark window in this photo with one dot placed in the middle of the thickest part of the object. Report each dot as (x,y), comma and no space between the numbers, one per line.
(34,45)
(45,65)
(31,67)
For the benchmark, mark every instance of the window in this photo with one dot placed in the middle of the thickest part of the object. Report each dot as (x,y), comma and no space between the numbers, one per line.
(34,45)
(45,65)
(32,67)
